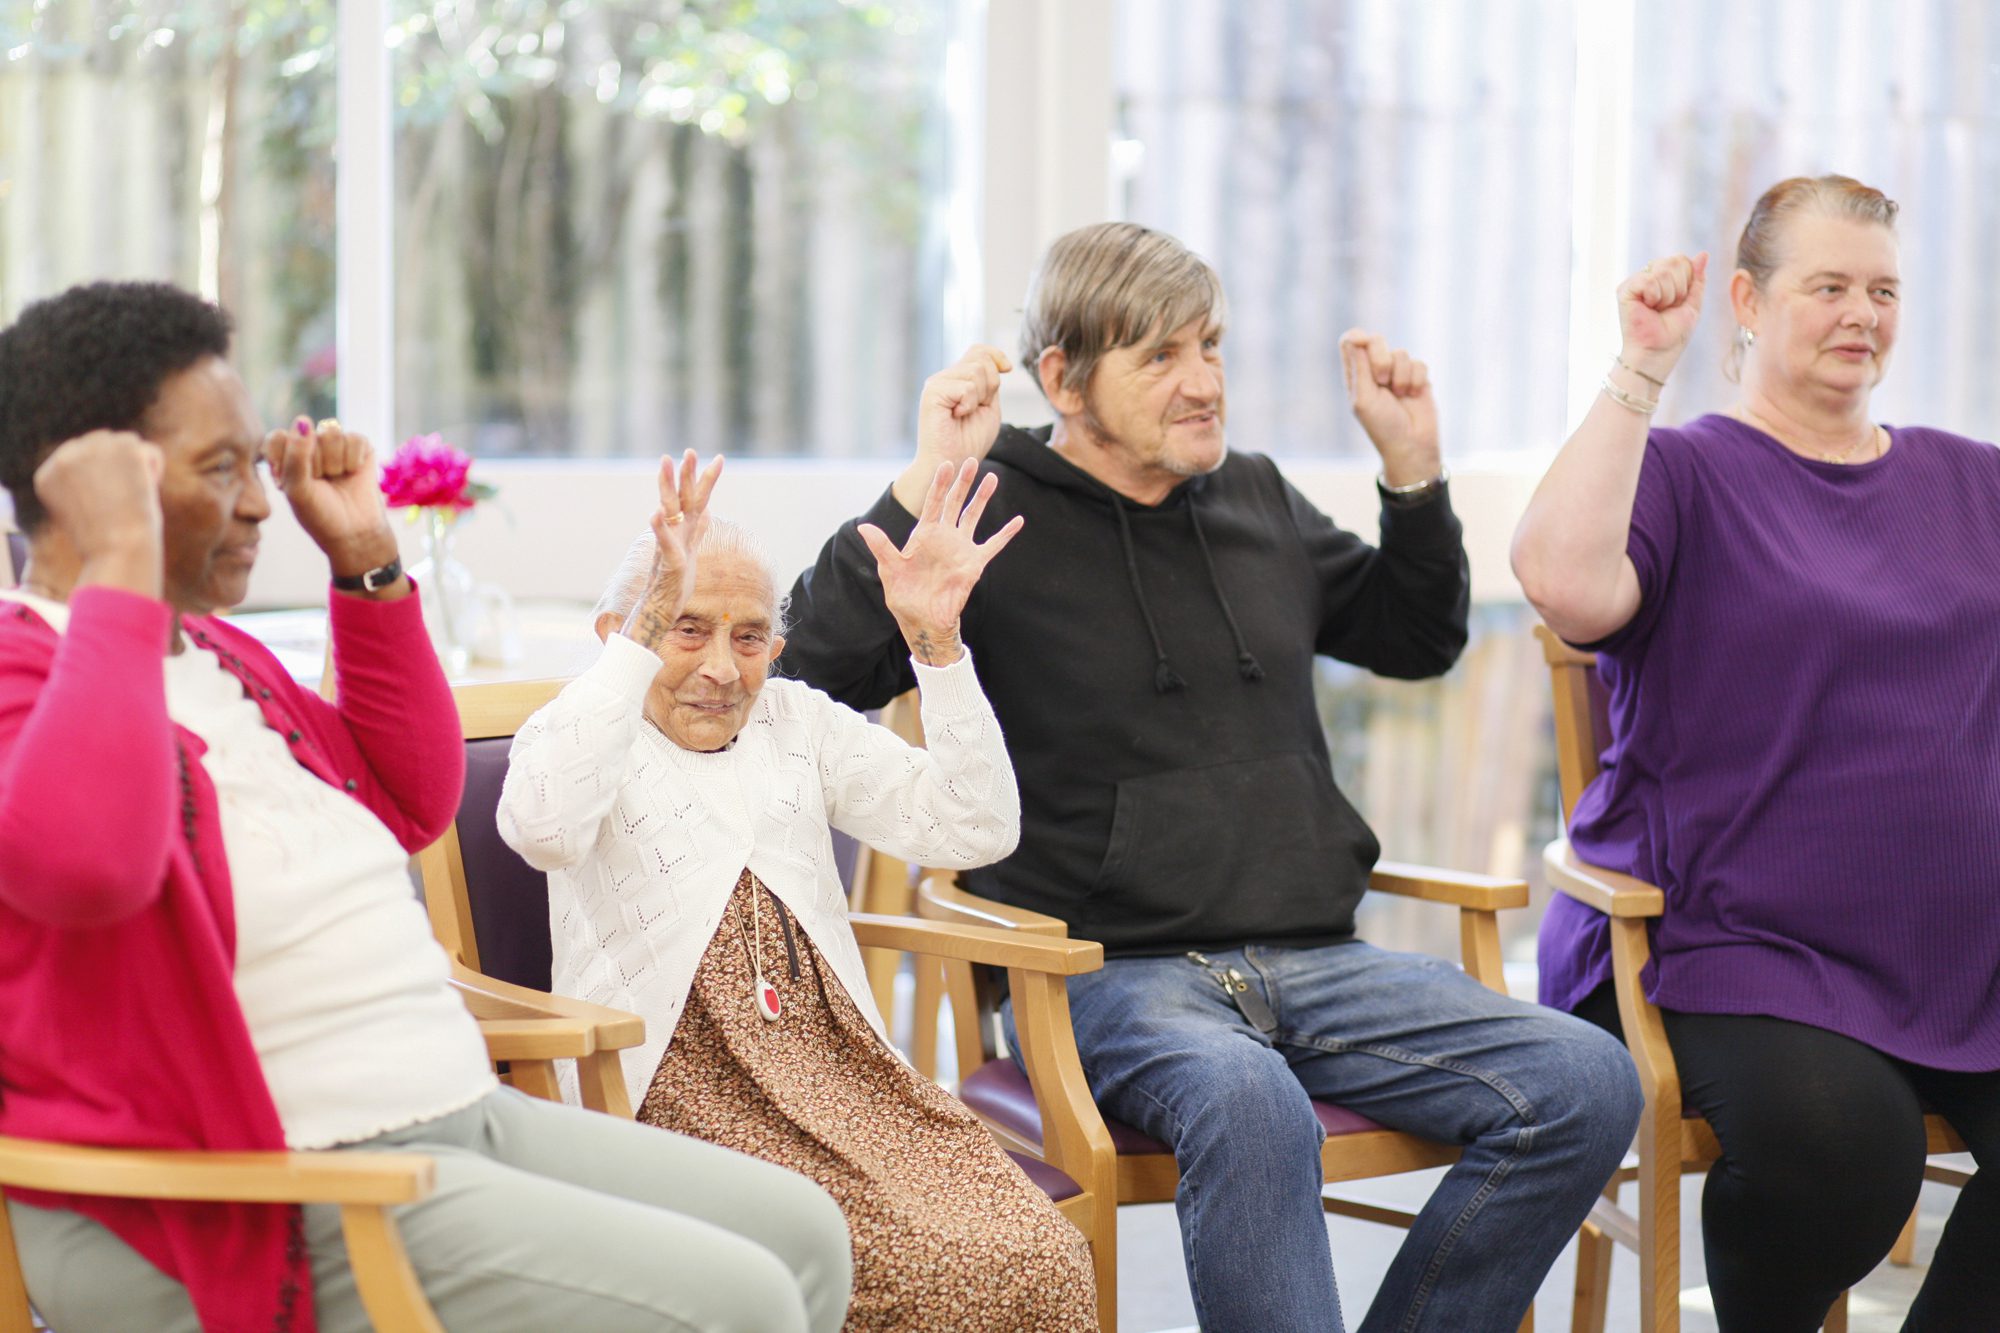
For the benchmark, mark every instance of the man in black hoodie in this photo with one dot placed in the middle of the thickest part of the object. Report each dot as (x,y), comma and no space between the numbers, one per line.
(1148,647)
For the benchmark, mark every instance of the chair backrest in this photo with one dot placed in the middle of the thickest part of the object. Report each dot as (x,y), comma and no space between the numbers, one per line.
(502,929)
(1582,714)
(13,559)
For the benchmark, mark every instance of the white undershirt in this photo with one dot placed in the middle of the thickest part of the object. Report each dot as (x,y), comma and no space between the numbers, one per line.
(343,987)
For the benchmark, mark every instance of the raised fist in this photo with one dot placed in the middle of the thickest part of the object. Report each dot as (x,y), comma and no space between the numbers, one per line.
(103,491)
(1657,310)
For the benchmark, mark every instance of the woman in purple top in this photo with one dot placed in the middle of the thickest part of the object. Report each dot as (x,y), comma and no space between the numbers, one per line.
(1797,612)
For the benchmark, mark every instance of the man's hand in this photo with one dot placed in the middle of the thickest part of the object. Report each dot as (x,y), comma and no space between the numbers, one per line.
(330,478)
(925,585)
(1657,310)
(102,491)
(678,523)
(1392,401)
(958,418)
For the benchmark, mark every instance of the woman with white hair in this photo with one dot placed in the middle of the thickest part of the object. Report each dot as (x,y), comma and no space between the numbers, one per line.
(683,805)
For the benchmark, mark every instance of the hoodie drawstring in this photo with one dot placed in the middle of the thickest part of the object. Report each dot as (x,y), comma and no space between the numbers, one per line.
(1165,680)
(1247,665)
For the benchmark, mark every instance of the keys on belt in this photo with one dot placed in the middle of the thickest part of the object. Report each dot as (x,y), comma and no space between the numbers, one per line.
(1237,986)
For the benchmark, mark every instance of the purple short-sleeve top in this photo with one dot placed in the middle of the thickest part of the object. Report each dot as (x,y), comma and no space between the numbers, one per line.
(1805,742)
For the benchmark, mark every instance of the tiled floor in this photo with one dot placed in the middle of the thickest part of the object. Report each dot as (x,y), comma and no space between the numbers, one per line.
(1153,1294)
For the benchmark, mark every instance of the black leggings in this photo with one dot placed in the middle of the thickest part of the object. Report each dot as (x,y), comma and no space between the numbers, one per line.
(1822,1156)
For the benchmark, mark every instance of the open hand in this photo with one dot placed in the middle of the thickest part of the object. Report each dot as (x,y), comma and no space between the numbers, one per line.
(925,585)
(330,478)
(1657,310)
(1391,393)
(679,523)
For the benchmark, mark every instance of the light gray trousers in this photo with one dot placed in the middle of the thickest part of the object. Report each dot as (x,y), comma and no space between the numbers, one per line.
(544,1217)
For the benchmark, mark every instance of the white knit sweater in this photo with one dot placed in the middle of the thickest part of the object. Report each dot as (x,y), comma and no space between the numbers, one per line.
(644,841)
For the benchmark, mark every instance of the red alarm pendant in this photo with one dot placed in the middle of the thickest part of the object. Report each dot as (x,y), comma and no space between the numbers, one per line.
(768,1003)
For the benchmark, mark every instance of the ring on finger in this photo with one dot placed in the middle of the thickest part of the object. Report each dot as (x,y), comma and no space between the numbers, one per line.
(672,519)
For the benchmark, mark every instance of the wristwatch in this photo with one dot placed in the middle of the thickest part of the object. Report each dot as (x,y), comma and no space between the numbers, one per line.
(374,580)
(1412,495)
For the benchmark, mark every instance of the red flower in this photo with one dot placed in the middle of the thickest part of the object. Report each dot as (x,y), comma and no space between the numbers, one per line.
(427,471)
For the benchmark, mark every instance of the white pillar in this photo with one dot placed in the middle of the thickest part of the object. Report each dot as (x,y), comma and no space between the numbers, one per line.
(364,230)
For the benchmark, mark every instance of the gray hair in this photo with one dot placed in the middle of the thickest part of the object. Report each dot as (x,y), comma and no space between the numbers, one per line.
(722,540)
(1111,285)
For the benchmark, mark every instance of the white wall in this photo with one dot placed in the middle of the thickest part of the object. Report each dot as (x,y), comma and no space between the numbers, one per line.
(559,528)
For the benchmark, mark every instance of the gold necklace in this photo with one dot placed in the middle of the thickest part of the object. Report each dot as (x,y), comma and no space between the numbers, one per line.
(1871,441)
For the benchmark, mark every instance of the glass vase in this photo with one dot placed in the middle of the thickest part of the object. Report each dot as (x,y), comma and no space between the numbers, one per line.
(447,590)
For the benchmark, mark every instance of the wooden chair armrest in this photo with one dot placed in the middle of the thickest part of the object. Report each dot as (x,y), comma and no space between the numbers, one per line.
(493,1001)
(1604,891)
(1075,1139)
(218,1177)
(939,898)
(978,944)
(1484,893)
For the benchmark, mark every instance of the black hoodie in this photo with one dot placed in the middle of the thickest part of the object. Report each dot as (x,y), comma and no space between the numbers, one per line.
(1152,667)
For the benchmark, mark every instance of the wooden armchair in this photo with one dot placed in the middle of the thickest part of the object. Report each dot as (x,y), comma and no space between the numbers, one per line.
(1134,1167)
(530,1029)
(1672,1140)
(364,1186)
(479,893)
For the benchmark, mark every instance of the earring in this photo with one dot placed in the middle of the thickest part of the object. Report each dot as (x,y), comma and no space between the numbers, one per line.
(1745,338)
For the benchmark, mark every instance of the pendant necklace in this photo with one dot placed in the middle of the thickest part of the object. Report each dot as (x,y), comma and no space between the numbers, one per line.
(763,995)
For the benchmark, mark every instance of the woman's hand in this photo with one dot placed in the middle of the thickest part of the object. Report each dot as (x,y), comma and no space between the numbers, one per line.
(925,585)
(679,524)
(1391,392)
(330,478)
(102,491)
(1657,310)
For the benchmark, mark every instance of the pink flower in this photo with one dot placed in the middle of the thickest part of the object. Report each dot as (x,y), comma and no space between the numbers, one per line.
(426,471)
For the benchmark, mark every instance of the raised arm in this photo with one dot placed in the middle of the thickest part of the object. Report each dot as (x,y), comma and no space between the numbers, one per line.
(393,699)
(1570,548)
(955,804)
(843,639)
(1398,609)
(85,745)
(570,760)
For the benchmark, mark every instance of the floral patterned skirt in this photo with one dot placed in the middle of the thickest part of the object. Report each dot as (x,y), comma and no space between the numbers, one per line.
(948,1234)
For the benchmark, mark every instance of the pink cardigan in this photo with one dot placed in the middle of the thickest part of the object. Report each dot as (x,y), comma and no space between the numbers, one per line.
(118,1016)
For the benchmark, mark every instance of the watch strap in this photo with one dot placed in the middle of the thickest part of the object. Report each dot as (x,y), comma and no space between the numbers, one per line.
(373,580)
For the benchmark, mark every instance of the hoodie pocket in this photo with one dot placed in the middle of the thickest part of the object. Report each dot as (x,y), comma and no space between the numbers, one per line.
(1264,846)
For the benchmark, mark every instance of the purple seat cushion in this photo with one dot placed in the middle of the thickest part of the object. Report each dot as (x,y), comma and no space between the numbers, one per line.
(510,898)
(999,1091)
(1046,1178)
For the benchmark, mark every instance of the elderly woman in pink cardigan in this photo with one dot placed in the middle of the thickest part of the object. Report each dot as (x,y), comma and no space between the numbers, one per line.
(207,934)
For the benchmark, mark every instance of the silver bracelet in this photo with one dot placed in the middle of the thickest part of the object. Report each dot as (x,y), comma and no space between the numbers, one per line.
(1415,491)
(1629,401)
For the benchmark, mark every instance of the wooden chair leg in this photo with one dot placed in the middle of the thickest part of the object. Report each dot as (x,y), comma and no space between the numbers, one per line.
(1593,1277)
(1527,1321)
(388,1285)
(1104,1261)
(1659,1223)
(537,1078)
(601,1083)
(1904,1252)
(14,1315)
(929,1003)
(1836,1315)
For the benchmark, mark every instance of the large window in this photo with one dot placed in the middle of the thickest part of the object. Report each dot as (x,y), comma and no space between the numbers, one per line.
(1400,167)
(190,142)
(1898,95)
(626,227)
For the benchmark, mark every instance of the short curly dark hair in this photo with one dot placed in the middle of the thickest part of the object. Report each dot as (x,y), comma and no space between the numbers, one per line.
(90,359)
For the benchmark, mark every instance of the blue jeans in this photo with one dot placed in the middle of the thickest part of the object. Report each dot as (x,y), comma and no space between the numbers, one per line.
(1544,1104)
